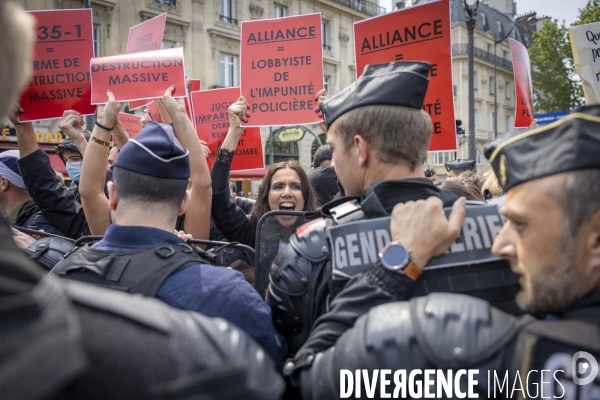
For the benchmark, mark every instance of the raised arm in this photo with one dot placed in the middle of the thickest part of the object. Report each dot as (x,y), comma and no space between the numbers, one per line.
(93,176)
(120,134)
(72,125)
(197,215)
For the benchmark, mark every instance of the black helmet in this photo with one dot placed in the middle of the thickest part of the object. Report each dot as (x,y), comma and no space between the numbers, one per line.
(49,250)
(428,170)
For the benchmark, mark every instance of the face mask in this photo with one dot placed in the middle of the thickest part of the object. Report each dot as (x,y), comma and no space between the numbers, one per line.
(74,170)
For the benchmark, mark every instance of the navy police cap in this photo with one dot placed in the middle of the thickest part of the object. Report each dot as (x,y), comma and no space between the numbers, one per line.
(155,151)
(401,83)
(569,144)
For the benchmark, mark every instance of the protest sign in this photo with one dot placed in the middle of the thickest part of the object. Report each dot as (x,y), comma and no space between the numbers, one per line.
(211,118)
(193,86)
(154,112)
(585,41)
(282,69)
(131,123)
(138,76)
(419,33)
(60,78)
(523,88)
(146,36)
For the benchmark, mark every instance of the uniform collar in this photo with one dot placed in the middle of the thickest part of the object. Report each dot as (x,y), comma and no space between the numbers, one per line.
(586,309)
(137,236)
(380,197)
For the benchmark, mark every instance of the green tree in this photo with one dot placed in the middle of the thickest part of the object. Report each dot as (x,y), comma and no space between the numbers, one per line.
(590,13)
(555,74)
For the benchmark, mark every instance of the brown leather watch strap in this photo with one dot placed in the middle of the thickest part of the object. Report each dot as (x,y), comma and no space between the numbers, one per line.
(412,271)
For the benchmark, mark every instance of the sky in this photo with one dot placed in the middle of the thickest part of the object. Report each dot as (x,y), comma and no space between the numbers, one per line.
(558,9)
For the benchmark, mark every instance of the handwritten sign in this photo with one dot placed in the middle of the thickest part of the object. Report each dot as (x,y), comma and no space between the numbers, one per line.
(60,79)
(523,88)
(138,76)
(146,36)
(419,33)
(282,69)
(585,41)
(211,118)
(131,123)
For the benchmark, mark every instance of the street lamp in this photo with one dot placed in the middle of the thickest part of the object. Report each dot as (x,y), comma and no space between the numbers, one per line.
(471,9)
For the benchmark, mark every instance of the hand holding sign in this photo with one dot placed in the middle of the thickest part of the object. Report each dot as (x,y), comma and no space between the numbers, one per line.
(106,114)
(175,107)
(320,97)
(412,221)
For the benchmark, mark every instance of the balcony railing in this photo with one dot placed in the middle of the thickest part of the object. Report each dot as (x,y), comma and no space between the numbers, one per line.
(363,6)
(460,49)
(326,47)
(227,19)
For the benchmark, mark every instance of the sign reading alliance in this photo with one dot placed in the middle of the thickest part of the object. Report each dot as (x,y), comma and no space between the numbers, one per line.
(60,79)
(282,69)
(419,33)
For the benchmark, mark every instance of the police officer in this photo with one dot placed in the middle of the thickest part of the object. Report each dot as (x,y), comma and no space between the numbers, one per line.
(457,167)
(140,253)
(379,135)
(552,240)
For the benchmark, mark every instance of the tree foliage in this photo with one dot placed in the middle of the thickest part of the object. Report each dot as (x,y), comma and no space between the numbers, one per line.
(590,13)
(555,74)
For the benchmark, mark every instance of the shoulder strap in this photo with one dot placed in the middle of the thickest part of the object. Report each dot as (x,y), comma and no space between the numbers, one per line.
(138,271)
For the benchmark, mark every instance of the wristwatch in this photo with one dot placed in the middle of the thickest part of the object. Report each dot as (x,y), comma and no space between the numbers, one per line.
(395,257)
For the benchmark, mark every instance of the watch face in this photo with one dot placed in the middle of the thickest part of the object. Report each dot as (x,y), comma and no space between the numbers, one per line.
(395,256)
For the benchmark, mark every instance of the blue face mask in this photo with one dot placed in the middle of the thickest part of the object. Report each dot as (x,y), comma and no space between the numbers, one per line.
(74,170)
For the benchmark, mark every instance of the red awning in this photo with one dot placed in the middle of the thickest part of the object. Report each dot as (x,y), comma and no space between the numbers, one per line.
(58,164)
(249,174)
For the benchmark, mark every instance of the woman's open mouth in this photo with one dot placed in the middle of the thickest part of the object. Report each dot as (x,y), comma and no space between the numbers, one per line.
(287,206)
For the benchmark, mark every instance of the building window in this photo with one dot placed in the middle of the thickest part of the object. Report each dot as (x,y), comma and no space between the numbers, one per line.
(327,83)
(279,11)
(475,82)
(167,44)
(228,11)
(484,21)
(508,86)
(510,122)
(228,70)
(476,114)
(492,86)
(505,55)
(492,121)
(442,157)
(499,27)
(490,49)
(96,35)
(477,157)
(325,34)
(454,90)
(170,3)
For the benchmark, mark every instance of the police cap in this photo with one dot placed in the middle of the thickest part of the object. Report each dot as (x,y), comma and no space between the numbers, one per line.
(468,165)
(402,83)
(156,152)
(569,144)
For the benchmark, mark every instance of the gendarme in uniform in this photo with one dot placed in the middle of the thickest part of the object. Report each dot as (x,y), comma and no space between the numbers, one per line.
(325,254)
(154,262)
(552,358)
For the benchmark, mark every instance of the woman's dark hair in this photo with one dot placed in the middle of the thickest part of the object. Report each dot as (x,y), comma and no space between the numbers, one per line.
(261,207)
(467,189)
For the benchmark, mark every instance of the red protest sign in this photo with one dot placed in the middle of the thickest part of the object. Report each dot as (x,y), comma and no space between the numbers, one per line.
(282,69)
(138,76)
(523,88)
(154,112)
(211,118)
(60,79)
(420,33)
(145,37)
(131,123)
(193,86)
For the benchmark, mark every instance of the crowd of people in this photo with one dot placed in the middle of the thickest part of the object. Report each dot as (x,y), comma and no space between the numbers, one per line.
(149,277)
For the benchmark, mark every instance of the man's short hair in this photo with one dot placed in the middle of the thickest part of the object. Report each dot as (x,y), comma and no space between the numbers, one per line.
(580,197)
(133,187)
(398,134)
